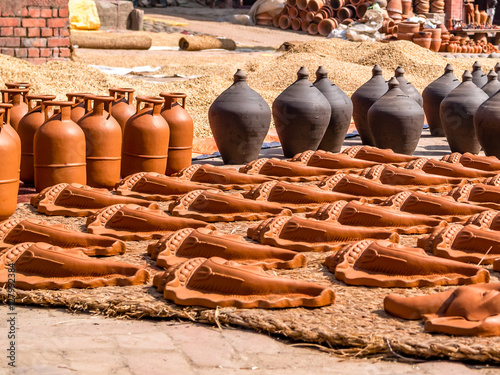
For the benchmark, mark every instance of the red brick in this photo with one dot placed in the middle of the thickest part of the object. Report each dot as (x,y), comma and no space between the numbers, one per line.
(10,42)
(6,31)
(20,31)
(24,12)
(12,22)
(55,52)
(20,52)
(57,22)
(64,52)
(46,13)
(7,51)
(34,22)
(34,12)
(7,13)
(33,32)
(58,42)
(34,42)
(64,32)
(36,61)
(45,52)
(47,32)
(54,12)
(33,52)
(64,12)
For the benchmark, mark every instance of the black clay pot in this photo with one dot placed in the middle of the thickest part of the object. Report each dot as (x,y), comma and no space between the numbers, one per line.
(396,121)
(457,115)
(434,94)
(340,117)
(239,119)
(478,77)
(486,125)
(493,85)
(301,114)
(362,100)
(497,69)
(407,87)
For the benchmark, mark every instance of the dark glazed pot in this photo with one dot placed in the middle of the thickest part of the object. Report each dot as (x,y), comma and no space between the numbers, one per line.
(301,114)
(434,94)
(362,100)
(486,125)
(493,85)
(239,119)
(407,87)
(457,115)
(340,117)
(396,121)
(478,77)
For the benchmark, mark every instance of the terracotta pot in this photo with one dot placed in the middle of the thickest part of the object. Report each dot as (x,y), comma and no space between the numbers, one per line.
(445,37)
(408,27)
(347,21)
(406,7)
(122,108)
(434,94)
(9,171)
(337,4)
(435,40)
(180,147)
(304,26)
(285,22)
(318,17)
(345,13)
(363,98)
(27,129)
(405,36)
(145,139)
(7,125)
(325,27)
(315,5)
(284,11)
(276,20)
(329,10)
(293,13)
(457,113)
(477,15)
(483,17)
(443,47)
(407,87)
(361,9)
(303,14)
(78,109)
(386,25)
(103,137)
(493,85)
(19,106)
(302,4)
(301,114)
(341,112)
(59,148)
(395,9)
(356,2)
(296,24)
(312,29)
(423,39)
(421,7)
(292,3)
(310,16)
(486,120)
(478,76)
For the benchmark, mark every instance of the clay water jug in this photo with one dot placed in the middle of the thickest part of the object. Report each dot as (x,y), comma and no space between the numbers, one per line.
(27,129)
(301,114)
(493,84)
(59,148)
(478,76)
(457,115)
(407,87)
(145,139)
(7,107)
(122,108)
(239,119)
(180,146)
(19,106)
(9,171)
(20,85)
(103,140)
(477,15)
(340,118)
(434,94)
(362,100)
(486,125)
(79,106)
(396,120)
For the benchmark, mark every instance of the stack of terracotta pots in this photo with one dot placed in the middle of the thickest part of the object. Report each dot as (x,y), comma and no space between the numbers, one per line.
(456,44)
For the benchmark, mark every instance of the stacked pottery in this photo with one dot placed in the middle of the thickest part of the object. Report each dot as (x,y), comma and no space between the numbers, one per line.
(493,85)
(396,121)
(434,94)
(9,171)
(301,114)
(103,138)
(181,126)
(395,9)
(435,39)
(407,87)
(239,119)
(486,120)
(78,108)
(145,139)
(423,39)
(27,129)
(19,106)
(457,115)
(340,118)
(122,108)
(478,76)
(59,149)
(362,100)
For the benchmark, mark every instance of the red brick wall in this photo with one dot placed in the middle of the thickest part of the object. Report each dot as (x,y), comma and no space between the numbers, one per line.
(454,9)
(35,30)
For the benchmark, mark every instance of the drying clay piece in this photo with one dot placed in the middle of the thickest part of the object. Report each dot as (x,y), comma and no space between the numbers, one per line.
(78,200)
(214,205)
(366,215)
(130,222)
(387,265)
(299,234)
(359,186)
(472,310)
(420,203)
(195,243)
(487,220)
(463,243)
(220,178)
(377,155)
(493,181)
(484,195)
(16,231)
(155,186)
(286,170)
(42,266)
(217,282)
(443,168)
(484,163)
(298,198)
(329,160)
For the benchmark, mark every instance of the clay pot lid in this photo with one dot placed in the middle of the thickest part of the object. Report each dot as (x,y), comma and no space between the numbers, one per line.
(477,66)
(492,75)
(302,73)
(467,76)
(166,94)
(448,68)
(15,85)
(377,70)
(321,72)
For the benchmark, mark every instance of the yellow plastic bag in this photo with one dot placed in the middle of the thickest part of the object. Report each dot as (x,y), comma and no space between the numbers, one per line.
(83,15)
